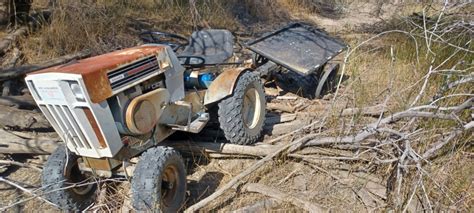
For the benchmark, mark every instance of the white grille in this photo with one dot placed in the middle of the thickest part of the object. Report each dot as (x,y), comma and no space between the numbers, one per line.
(65,124)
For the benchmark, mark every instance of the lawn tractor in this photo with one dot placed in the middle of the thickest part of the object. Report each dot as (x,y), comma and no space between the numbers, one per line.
(113,110)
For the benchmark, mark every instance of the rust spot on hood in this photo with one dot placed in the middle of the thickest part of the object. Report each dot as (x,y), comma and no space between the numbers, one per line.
(94,69)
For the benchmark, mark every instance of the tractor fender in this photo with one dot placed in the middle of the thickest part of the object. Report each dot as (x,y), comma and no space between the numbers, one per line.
(223,85)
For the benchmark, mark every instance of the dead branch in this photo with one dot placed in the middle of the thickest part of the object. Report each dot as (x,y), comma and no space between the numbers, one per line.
(283,128)
(372,128)
(11,38)
(210,148)
(286,98)
(280,107)
(311,125)
(432,152)
(237,179)
(6,74)
(281,196)
(280,119)
(25,190)
(12,144)
(22,119)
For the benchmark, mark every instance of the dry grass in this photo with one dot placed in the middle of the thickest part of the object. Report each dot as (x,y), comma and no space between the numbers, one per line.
(106,25)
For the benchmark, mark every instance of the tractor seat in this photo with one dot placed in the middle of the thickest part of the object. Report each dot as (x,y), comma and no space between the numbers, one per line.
(214,46)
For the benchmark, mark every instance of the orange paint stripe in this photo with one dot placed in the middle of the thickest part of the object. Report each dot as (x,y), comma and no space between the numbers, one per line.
(95,127)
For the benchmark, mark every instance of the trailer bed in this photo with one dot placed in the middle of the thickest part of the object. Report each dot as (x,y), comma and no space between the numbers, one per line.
(298,47)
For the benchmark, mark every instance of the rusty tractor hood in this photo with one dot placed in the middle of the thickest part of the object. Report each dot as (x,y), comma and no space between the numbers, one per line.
(94,69)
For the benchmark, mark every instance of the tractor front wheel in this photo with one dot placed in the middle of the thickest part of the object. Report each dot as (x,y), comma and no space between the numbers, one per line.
(64,184)
(159,181)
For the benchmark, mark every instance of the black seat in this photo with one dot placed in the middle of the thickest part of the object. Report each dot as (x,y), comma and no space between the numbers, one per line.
(214,46)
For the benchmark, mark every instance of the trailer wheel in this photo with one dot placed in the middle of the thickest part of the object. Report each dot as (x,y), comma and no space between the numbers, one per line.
(327,81)
(159,181)
(62,171)
(242,115)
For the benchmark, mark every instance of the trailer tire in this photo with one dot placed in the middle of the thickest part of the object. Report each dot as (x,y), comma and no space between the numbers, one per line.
(242,115)
(149,188)
(60,171)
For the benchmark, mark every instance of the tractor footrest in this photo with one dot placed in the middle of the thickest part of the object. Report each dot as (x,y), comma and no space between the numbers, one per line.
(195,126)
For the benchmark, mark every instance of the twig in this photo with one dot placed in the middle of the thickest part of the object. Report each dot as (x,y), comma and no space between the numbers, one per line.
(430,153)
(25,190)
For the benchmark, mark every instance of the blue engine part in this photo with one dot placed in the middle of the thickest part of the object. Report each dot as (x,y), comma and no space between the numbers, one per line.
(198,80)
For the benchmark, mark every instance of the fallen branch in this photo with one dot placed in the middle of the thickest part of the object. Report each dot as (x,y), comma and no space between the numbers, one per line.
(274,193)
(279,119)
(25,190)
(283,128)
(280,107)
(15,72)
(22,119)
(286,98)
(430,153)
(372,129)
(12,144)
(209,148)
(237,179)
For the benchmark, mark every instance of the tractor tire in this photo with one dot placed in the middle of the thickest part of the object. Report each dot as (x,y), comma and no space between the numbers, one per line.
(242,115)
(61,171)
(159,181)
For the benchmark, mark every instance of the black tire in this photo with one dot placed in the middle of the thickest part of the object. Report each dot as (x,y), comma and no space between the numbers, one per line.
(233,122)
(60,171)
(150,191)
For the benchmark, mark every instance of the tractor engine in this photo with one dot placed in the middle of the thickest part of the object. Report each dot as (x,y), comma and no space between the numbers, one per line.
(93,104)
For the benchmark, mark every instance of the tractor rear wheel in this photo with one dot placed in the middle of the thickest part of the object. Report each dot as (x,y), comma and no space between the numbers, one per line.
(159,181)
(242,115)
(60,173)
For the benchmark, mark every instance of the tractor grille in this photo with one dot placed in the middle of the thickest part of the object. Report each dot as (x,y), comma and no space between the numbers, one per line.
(133,72)
(62,119)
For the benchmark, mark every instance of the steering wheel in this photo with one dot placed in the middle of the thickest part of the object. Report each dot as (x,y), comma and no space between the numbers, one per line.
(173,40)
